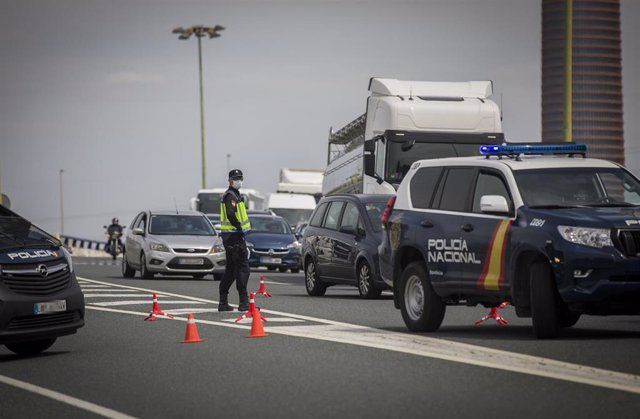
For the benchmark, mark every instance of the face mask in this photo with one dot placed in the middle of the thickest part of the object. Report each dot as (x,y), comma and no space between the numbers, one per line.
(237,184)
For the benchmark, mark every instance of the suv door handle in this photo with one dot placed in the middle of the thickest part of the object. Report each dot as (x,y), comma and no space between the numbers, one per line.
(426,224)
(467,227)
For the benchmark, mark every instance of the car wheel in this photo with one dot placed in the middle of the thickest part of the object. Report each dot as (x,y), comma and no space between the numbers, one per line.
(31,347)
(366,287)
(545,301)
(422,309)
(127,270)
(282,270)
(144,272)
(314,285)
(218,277)
(295,271)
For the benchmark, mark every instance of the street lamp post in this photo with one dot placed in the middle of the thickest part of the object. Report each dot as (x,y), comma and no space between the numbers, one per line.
(184,34)
(61,204)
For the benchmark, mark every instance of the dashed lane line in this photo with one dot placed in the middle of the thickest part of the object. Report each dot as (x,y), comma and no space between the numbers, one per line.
(424,346)
(63,398)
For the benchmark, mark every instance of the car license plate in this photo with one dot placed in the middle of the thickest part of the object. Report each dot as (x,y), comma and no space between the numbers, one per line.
(275,261)
(191,261)
(50,307)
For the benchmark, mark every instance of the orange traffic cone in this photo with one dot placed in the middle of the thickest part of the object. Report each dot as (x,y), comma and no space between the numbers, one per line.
(252,310)
(191,335)
(155,311)
(263,289)
(494,314)
(257,329)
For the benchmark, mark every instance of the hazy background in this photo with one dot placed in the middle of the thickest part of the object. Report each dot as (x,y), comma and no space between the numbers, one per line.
(103,89)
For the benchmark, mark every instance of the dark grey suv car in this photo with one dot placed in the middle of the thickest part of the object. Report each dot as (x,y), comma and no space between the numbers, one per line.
(340,244)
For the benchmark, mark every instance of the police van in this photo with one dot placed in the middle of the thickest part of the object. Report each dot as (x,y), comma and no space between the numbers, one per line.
(40,298)
(543,227)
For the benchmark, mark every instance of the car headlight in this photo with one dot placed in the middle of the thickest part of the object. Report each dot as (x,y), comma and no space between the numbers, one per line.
(67,256)
(295,245)
(159,247)
(217,248)
(593,237)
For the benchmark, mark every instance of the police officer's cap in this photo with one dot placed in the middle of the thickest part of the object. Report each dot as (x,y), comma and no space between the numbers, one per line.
(235,174)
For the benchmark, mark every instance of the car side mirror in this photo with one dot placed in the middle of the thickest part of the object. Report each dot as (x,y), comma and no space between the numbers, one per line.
(347,230)
(138,231)
(494,204)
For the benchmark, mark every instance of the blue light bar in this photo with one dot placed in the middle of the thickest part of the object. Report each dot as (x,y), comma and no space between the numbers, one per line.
(514,150)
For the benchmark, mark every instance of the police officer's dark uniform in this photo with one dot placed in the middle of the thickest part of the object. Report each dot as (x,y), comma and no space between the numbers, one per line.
(234,223)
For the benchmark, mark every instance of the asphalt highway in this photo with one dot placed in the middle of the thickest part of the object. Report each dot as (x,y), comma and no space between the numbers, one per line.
(331,356)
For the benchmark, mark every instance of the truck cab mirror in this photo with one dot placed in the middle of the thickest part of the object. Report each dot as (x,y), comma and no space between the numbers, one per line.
(494,204)
(369,157)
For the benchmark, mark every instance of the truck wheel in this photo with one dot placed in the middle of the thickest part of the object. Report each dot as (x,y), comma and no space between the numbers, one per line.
(314,285)
(422,309)
(366,287)
(545,301)
(127,270)
(144,272)
(32,347)
(282,270)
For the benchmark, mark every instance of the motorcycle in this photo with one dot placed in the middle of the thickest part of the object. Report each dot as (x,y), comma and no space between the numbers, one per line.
(114,246)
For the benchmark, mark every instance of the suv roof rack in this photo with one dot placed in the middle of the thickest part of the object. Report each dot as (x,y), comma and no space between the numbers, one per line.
(515,150)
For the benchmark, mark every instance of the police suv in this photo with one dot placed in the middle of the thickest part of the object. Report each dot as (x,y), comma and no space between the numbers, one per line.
(543,227)
(40,298)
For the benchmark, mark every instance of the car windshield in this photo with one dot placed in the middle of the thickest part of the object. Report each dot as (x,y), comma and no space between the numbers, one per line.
(180,225)
(269,225)
(16,231)
(400,157)
(578,187)
(374,212)
(293,216)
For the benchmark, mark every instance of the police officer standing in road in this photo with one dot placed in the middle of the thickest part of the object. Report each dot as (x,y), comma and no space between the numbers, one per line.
(234,224)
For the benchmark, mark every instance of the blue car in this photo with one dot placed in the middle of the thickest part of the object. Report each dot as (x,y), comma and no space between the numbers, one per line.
(272,244)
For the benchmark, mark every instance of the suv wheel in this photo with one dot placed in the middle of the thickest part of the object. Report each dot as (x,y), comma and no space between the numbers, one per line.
(31,347)
(569,318)
(314,285)
(366,287)
(127,270)
(422,309)
(545,301)
(144,272)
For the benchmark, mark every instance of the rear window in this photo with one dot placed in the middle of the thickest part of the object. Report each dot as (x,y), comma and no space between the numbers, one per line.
(455,193)
(423,185)
(374,212)
(316,219)
(333,215)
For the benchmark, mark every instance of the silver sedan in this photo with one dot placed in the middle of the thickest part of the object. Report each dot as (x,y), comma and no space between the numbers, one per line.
(172,243)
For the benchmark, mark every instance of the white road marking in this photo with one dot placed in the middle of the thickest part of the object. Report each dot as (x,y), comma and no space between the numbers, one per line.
(89,286)
(141,302)
(119,296)
(443,349)
(63,398)
(275,283)
(191,310)
(269,320)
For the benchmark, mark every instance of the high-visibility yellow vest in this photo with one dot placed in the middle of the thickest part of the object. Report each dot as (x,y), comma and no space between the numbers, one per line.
(241,215)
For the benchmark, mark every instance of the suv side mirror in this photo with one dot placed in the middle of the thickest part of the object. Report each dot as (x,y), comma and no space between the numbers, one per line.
(138,231)
(494,204)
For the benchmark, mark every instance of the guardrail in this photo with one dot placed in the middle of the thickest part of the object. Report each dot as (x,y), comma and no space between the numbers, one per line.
(76,242)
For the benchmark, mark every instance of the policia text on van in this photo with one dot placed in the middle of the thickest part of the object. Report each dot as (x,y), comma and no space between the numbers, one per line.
(40,298)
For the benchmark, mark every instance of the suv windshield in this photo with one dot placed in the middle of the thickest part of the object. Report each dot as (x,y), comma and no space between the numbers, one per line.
(181,225)
(293,216)
(577,187)
(400,157)
(269,225)
(16,231)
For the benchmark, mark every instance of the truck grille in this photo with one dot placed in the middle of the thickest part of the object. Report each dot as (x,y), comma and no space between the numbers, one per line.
(27,279)
(629,242)
(43,320)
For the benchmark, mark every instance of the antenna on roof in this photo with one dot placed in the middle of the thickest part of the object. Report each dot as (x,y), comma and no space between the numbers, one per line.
(175,204)
(410,91)
(501,115)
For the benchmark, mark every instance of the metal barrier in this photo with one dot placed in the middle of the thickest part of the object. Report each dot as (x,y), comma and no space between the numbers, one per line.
(76,242)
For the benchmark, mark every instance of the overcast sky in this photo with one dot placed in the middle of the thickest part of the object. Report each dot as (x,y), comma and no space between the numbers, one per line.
(103,89)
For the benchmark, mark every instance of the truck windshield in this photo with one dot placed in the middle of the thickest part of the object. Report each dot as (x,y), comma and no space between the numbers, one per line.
(294,216)
(16,231)
(209,202)
(400,158)
(180,225)
(577,187)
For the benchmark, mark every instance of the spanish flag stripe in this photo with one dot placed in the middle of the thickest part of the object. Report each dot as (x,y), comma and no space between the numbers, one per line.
(492,271)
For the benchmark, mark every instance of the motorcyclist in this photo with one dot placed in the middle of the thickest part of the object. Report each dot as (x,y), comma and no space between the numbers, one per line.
(114,228)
